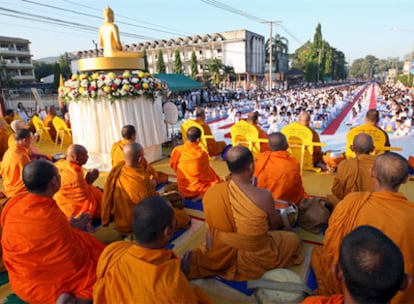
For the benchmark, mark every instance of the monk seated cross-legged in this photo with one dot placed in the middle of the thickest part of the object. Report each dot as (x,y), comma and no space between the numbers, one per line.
(354,174)
(77,194)
(384,208)
(242,241)
(145,271)
(45,254)
(15,158)
(192,165)
(128,134)
(126,185)
(370,268)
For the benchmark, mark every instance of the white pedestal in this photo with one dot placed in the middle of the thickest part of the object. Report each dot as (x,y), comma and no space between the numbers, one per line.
(96,124)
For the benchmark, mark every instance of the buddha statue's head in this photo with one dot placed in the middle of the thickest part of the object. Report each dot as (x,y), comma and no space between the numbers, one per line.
(109,14)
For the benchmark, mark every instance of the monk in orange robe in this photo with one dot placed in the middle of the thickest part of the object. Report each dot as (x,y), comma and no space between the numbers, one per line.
(214,147)
(385,208)
(4,137)
(128,133)
(77,193)
(253,119)
(242,241)
(370,269)
(15,158)
(304,119)
(126,185)
(354,174)
(48,121)
(145,271)
(44,254)
(278,172)
(191,163)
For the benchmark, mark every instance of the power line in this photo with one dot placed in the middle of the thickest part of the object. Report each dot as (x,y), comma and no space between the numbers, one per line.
(168,29)
(96,17)
(233,10)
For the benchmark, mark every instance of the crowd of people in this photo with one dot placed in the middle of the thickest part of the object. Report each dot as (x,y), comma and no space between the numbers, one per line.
(52,208)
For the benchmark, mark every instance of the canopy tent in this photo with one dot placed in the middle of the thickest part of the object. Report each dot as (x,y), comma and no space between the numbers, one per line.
(179,82)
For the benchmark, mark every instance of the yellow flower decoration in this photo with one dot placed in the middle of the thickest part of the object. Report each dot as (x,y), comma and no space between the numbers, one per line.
(81,90)
(145,85)
(107,89)
(141,74)
(111,75)
(126,74)
(75,77)
(126,87)
(95,76)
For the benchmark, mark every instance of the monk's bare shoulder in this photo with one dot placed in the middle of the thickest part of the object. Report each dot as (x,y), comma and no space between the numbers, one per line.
(261,197)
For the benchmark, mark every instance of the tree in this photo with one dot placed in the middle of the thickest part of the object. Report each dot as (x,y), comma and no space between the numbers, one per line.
(178,66)
(42,69)
(6,81)
(160,63)
(280,45)
(56,74)
(64,65)
(211,71)
(228,72)
(144,55)
(193,65)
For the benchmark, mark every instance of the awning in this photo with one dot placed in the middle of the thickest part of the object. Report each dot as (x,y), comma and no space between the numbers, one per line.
(179,82)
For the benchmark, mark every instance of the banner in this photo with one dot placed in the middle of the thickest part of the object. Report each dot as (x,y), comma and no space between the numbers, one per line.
(406,67)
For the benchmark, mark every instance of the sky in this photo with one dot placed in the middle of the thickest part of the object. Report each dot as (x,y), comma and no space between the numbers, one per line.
(383,28)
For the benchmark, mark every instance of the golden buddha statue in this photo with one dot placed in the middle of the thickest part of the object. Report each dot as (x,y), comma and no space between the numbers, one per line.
(109,37)
(114,58)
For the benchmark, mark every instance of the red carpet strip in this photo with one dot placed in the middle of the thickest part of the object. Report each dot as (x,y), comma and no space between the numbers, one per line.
(373,100)
(334,125)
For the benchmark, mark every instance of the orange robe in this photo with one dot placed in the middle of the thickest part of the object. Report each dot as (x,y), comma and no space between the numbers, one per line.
(48,123)
(117,155)
(125,187)
(243,247)
(262,134)
(279,173)
(335,299)
(194,174)
(214,147)
(75,195)
(128,273)
(43,254)
(4,145)
(317,150)
(11,168)
(388,211)
(353,174)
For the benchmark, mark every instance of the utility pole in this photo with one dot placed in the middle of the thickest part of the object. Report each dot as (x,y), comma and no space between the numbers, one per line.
(271,51)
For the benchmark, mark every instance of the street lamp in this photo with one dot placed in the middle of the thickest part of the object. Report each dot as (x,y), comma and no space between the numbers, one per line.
(271,51)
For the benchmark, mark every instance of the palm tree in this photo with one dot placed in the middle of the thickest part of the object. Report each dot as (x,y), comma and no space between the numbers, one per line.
(228,72)
(212,71)
(280,45)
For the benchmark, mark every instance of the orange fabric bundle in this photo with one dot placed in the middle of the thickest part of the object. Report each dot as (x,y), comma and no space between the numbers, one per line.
(43,254)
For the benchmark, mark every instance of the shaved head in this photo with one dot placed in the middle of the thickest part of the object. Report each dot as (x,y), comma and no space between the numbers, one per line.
(77,153)
(128,132)
(193,133)
(363,144)
(390,170)
(372,116)
(304,118)
(238,159)
(278,142)
(253,117)
(132,152)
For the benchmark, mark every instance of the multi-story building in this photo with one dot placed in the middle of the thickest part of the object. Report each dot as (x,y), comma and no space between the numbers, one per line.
(16,60)
(241,49)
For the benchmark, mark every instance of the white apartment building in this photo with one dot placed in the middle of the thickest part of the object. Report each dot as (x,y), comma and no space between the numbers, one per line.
(241,49)
(15,57)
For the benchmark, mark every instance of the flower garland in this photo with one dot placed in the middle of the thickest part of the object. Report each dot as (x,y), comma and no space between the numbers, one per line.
(112,86)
